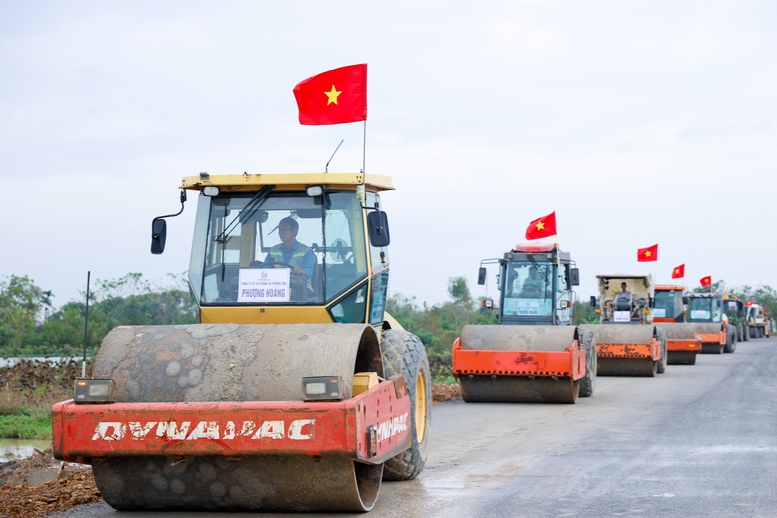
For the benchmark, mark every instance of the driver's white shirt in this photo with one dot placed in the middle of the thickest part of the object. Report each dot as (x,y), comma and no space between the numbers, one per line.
(623,295)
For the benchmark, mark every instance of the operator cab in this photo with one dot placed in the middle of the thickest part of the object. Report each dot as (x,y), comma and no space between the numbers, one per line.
(669,304)
(613,309)
(535,284)
(289,241)
(705,307)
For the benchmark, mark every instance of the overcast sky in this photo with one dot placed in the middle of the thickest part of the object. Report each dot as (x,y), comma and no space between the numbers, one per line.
(638,122)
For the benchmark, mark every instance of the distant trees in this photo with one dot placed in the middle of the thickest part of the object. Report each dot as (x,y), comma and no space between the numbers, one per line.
(764,296)
(21,301)
(30,326)
(129,300)
(439,325)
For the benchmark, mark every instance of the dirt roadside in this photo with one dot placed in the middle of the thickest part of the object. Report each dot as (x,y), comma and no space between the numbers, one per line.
(74,484)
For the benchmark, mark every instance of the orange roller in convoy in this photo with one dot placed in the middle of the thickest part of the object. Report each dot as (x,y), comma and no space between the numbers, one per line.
(534,355)
(705,313)
(682,344)
(627,343)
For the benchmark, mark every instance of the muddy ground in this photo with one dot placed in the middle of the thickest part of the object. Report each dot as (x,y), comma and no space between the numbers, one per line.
(74,484)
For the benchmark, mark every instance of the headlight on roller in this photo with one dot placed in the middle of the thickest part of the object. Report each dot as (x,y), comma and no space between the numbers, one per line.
(94,391)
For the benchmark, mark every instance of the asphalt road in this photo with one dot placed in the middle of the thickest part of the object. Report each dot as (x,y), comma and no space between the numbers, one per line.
(699,440)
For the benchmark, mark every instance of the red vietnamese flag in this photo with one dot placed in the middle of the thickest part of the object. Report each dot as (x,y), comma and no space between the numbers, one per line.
(542,227)
(334,97)
(678,272)
(706,281)
(646,255)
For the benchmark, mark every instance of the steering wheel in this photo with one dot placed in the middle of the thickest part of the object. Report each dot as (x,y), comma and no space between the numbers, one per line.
(276,264)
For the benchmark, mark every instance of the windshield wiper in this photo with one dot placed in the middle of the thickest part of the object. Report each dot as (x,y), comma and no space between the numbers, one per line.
(250,209)
(537,266)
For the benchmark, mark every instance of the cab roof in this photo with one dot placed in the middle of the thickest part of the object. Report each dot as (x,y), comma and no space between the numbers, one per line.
(288,181)
(669,287)
(625,276)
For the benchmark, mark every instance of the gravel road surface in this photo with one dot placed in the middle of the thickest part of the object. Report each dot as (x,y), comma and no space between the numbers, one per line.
(699,440)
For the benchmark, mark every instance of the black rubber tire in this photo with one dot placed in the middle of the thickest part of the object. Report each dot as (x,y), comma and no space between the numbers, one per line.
(404,353)
(739,333)
(588,382)
(661,364)
(745,333)
(731,339)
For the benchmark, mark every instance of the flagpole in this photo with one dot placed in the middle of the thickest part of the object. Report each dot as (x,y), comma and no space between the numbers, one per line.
(364,149)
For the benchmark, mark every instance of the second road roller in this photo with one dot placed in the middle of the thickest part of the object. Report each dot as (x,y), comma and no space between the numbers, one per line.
(534,355)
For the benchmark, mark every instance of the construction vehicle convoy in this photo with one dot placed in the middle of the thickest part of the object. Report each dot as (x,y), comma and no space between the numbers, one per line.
(705,311)
(756,320)
(296,391)
(627,342)
(682,345)
(534,354)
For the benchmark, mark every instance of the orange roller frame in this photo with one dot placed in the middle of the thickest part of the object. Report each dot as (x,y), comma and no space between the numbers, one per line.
(569,363)
(650,350)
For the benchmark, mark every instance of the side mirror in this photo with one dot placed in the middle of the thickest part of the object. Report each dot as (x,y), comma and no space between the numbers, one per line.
(650,302)
(377,224)
(482,276)
(158,236)
(685,300)
(593,301)
(574,277)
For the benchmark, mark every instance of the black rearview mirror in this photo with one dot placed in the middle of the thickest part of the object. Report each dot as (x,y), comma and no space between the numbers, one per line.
(482,275)
(574,277)
(593,301)
(158,236)
(377,224)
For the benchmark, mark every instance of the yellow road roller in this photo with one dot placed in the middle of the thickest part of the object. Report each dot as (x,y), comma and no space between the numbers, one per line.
(294,392)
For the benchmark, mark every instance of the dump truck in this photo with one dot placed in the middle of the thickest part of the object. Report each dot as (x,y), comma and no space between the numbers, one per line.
(734,309)
(294,392)
(682,345)
(533,355)
(705,310)
(627,342)
(757,320)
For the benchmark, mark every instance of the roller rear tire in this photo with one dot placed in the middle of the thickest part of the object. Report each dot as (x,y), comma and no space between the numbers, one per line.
(661,364)
(588,382)
(403,353)
(731,339)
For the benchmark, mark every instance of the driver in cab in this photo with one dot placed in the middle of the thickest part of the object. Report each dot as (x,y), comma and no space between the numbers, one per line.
(291,251)
(533,285)
(624,296)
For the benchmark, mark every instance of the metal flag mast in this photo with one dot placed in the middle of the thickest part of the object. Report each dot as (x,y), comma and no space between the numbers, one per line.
(364,151)
(86,323)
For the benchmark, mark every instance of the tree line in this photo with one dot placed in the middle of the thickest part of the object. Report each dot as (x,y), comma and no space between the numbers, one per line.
(29,325)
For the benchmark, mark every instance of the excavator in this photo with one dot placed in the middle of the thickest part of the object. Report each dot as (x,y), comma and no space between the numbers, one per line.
(627,342)
(294,392)
(534,354)
(682,345)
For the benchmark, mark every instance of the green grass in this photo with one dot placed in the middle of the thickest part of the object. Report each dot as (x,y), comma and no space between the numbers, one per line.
(26,423)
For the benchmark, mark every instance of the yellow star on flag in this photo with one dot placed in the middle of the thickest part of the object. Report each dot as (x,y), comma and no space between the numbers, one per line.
(332,96)
(676,270)
(540,225)
(647,253)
